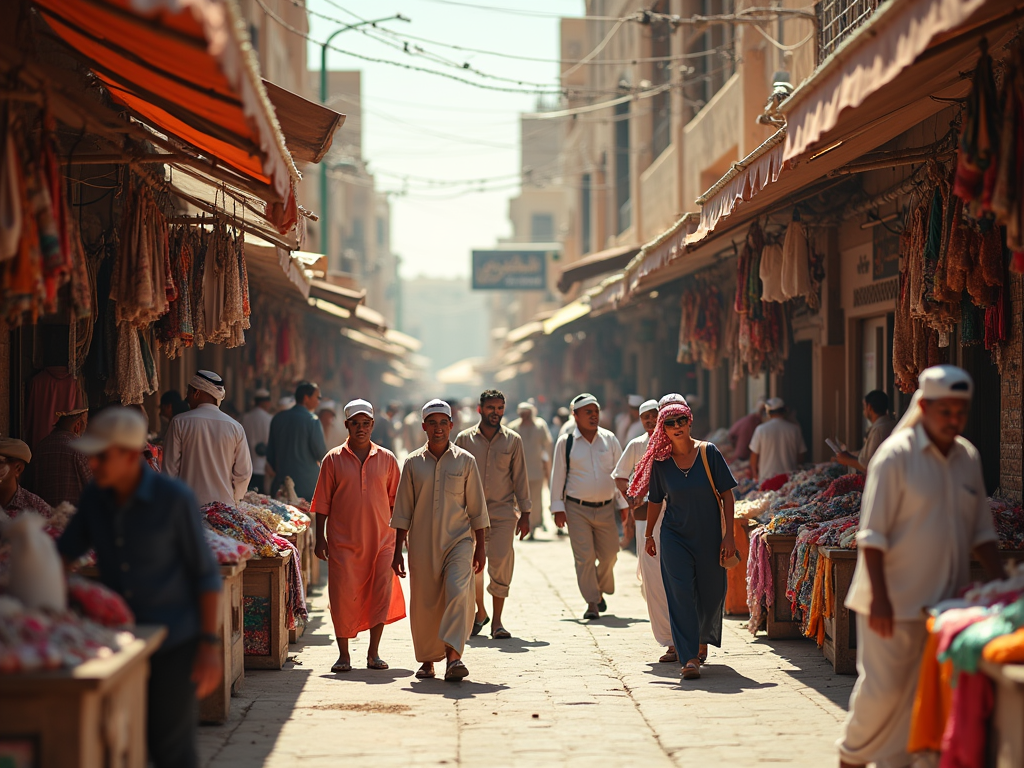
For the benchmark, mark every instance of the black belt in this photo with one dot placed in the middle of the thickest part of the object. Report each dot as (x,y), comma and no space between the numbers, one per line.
(591,504)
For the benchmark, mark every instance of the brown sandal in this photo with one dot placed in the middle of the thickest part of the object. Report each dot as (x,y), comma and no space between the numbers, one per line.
(702,654)
(692,670)
(670,657)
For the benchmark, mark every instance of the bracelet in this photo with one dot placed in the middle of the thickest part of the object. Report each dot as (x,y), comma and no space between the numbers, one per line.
(648,537)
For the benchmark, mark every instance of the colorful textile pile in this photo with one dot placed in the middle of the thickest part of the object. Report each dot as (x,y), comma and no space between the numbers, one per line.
(700,329)
(99,603)
(228,551)
(760,587)
(774,483)
(33,640)
(295,518)
(237,525)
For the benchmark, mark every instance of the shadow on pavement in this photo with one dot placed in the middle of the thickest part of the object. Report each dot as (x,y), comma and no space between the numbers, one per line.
(715,678)
(466,689)
(608,620)
(512,645)
(811,668)
(369,676)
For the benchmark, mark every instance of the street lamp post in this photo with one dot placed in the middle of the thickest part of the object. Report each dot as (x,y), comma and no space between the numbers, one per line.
(325,215)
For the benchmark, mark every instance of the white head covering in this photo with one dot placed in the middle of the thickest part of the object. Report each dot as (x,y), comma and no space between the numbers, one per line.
(262,394)
(775,404)
(648,405)
(526,406)
(437,406)
(328,405)
(584,399)
(937,383)
(208,382)
(286,402)
(358,406)
(113,427)
(671,397)
(635,401)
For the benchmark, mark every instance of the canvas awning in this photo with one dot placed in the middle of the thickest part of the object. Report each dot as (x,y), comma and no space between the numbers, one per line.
(308,127)
(335,294)
(525,331)
(600,263)
(273,266)
(571,312)
(462,372)
(372,342)
(403,339)
(184,68)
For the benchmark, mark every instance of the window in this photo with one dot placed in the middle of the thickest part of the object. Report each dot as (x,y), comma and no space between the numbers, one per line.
(542,228)
(711,72)
(622,192)
(661,74)
(585,243)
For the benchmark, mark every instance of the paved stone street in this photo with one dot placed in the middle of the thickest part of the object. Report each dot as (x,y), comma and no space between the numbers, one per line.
(563,692)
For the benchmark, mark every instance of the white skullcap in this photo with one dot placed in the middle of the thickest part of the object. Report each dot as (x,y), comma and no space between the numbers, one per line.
(584,399)
(358,406)
(525,406)
(328,405)
(775,404)
(671,397)
(262,394)
(208,382)
(648,405)
(286,402)
(437,406)
(635,401)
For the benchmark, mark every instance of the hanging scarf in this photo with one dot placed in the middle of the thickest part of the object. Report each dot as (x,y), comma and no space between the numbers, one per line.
(659,448)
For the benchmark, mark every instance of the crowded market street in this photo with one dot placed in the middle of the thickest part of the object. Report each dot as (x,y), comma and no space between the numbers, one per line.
(562,692)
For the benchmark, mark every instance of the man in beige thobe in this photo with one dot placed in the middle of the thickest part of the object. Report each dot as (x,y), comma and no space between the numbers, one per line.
(440,511)
(502,462)
(537,448)
(923,512)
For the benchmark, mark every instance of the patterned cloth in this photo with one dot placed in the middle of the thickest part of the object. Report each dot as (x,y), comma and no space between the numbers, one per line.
(58,472)
(26,501)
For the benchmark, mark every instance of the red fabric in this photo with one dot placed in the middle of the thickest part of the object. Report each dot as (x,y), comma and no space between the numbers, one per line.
(659,448)
(774,483)
(963,743)
(99,603)
(51,390)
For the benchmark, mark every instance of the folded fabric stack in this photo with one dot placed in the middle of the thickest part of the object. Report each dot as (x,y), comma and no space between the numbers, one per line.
(35,640)
(235,524)
(294,519)
(228,551)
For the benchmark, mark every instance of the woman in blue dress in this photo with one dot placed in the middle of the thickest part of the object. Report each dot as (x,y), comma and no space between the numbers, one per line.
(693,546)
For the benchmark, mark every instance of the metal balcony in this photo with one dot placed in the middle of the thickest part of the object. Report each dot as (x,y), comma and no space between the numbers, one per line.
(838,19)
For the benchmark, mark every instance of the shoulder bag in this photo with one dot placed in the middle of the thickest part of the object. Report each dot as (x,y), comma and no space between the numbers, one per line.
(733,561)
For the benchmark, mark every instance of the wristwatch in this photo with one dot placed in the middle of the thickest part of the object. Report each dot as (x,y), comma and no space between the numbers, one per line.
(209,638)
(649,537)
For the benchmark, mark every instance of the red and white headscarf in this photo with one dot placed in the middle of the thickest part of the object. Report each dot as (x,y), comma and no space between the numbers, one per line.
(659,448)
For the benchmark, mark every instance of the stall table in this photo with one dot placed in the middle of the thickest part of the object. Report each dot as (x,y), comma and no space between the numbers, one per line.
(265,611)
(91,716)
(840,646)
(1006,732)
(782,625)
(215,707)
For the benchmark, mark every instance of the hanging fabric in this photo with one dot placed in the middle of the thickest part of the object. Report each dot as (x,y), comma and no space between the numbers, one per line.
(796,275)
(771,273)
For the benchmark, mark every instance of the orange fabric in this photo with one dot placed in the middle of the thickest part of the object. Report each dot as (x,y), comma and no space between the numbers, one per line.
(829,611)
(934,699)
(357,499)
(736,579)
(1008,649)
(816,621)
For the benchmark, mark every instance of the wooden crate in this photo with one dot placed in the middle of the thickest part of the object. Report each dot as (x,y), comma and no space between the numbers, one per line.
(781,623)
(840,646)
(265,579)
(215,707)
(1006,730)
(92,716)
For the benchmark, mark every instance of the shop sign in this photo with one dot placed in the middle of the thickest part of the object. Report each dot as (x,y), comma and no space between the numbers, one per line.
(509,270)
(885,260)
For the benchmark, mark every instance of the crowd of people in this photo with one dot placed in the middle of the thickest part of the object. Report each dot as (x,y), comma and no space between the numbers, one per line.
(447,515)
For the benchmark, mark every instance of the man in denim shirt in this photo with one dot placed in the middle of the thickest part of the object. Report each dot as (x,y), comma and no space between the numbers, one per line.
(150,548)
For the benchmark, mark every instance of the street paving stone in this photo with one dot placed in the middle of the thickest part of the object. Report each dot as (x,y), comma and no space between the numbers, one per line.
(562,692)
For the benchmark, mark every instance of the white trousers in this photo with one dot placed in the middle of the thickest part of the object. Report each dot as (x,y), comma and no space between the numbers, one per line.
(878,726)
(652,587)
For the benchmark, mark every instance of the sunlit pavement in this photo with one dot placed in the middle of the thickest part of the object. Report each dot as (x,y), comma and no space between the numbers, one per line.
(562,692)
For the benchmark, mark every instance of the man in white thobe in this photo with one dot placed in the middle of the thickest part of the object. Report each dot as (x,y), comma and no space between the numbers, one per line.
(206,448)
(629,420)
(923,511)
(777,447)
(537,446)
(256,424)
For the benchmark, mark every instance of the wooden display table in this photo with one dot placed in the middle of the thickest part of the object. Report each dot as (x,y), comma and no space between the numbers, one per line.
(782,625)
(265,612)
(92,716)
(1006,730)
(215,707)
(840,646)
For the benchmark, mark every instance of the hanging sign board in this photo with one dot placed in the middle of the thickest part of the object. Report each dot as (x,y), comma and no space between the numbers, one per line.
(510,270)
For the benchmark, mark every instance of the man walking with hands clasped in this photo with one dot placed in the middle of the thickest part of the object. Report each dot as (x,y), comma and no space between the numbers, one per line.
(584,498)
(500,458)
(441,513)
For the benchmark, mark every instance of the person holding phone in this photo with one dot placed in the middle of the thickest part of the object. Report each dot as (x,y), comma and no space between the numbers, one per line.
(876,411)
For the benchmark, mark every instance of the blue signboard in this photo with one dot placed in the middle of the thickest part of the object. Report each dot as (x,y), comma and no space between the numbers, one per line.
(510,270)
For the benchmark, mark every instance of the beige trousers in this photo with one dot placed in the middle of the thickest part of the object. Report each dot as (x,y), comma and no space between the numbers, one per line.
(878,725)
(648,569)
(536,497)
(441,610)
(501,557)
(595,548)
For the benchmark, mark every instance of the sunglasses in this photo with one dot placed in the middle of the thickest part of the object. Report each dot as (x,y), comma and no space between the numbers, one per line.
(672,423)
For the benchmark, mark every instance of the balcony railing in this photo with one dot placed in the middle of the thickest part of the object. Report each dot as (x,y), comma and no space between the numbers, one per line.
(838,19)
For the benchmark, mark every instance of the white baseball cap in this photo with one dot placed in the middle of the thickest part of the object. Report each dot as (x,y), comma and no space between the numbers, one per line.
(328,405)
(114,427)
(671,397)
(648,405)
(942,381)
(635,401)
(584,399)
(358,406)
(437,406)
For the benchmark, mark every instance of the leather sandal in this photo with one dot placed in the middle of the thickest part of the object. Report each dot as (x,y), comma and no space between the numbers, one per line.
(702,653)
(692,670)
(670,657)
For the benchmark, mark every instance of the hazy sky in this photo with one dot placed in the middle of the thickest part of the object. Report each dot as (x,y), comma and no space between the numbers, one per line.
(426,126)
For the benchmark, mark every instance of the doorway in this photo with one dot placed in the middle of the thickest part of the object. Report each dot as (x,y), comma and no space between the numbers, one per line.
(796,387)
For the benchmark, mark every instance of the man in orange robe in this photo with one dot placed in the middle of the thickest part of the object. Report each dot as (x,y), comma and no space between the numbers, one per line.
(354,499)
